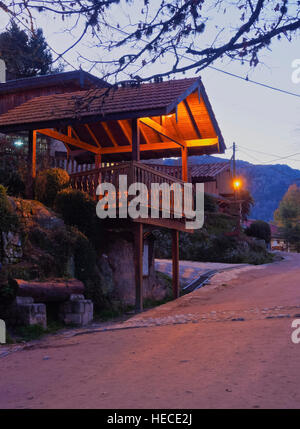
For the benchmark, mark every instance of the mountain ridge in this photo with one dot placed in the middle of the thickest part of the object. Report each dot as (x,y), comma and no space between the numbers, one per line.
(267,183)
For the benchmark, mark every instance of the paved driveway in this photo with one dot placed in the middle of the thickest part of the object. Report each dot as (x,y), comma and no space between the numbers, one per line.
(227,345)
(189,270)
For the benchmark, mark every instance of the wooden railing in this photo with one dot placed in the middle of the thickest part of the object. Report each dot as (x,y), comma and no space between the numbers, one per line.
(172,170)
(70,165)
(88,181)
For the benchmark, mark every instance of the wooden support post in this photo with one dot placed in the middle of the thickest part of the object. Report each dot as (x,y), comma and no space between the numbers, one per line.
(135,140)
(184,161)
(31,163)
(175,263)
(138,264)
(98,160)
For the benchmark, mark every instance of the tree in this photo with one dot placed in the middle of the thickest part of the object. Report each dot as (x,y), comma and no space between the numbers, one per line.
(259,229)
(288,212)
(177,35)
(287,216)
(25,55)
(247,202)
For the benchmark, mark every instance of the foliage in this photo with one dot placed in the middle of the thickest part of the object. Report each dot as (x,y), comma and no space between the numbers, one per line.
(25,55)
(29,333)
(210,204)
(288,211)
(292,234)
(247,203)
(8,219)
(259,229)
(13,182)
(164,33)
(213,244)
(48,183)
(287,216)
(78,209)
(60,246)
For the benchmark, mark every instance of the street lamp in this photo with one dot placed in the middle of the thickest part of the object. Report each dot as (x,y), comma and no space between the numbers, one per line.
(237,183)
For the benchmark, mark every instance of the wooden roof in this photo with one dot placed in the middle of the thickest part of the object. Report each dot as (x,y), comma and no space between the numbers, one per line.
(80,77)
(172,114)
(200,172)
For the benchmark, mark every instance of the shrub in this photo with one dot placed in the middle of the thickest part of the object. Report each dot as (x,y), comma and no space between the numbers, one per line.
(8,219)
(13,182)
(86,270)
(78,209)
(48,183)
(210,204)
(259,229)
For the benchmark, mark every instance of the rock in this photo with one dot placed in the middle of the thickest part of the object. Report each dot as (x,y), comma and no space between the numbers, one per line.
(32,314)
(12,247)
(23,300)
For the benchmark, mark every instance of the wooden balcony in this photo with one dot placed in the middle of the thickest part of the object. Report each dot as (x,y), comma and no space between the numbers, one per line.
(88,181)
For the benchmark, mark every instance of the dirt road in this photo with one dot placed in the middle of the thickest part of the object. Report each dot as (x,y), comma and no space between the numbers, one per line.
(227,345)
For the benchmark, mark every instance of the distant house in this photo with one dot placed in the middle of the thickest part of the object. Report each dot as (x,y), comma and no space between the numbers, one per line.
(277,240)
(217,178)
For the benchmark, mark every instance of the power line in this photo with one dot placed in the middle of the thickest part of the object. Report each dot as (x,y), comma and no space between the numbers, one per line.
(277,157)
(219,70)
(190,59)
(255,82)
(272,166)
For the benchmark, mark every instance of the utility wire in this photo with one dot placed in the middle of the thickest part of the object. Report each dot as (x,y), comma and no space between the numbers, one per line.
(277,157)
(245,79)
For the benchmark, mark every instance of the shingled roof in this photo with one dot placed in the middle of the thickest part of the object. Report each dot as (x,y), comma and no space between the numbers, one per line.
(99,119)
(84,79)
(207,171)
(101,102)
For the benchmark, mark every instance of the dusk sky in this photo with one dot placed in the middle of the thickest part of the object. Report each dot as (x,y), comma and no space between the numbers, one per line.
(256,118)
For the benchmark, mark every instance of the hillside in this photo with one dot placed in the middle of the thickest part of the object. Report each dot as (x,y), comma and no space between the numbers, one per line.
(267,183)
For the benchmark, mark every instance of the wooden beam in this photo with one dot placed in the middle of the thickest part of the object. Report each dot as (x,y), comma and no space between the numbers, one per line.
(160,146)
(138,264)
(175,264)
(161,130)
(184,164)
(69,140)
(176,131)
(97,160)
(146,138)
(109,133)
(92,135)
(75,134)
(126,130)
(192,119)
(135,132)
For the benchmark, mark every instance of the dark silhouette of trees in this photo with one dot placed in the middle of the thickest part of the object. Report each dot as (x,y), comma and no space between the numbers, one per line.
(25,54)
(259,229)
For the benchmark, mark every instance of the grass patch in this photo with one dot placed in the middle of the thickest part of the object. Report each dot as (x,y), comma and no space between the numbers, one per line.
(29,333)
(107,314)
(35,332)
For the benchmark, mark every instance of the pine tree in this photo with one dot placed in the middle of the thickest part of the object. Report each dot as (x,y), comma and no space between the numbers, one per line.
(25,55)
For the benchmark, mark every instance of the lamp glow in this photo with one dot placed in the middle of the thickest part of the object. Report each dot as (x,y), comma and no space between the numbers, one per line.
(237,184)
(18,143)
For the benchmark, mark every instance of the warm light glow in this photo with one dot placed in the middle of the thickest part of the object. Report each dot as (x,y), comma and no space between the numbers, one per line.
(237,184)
